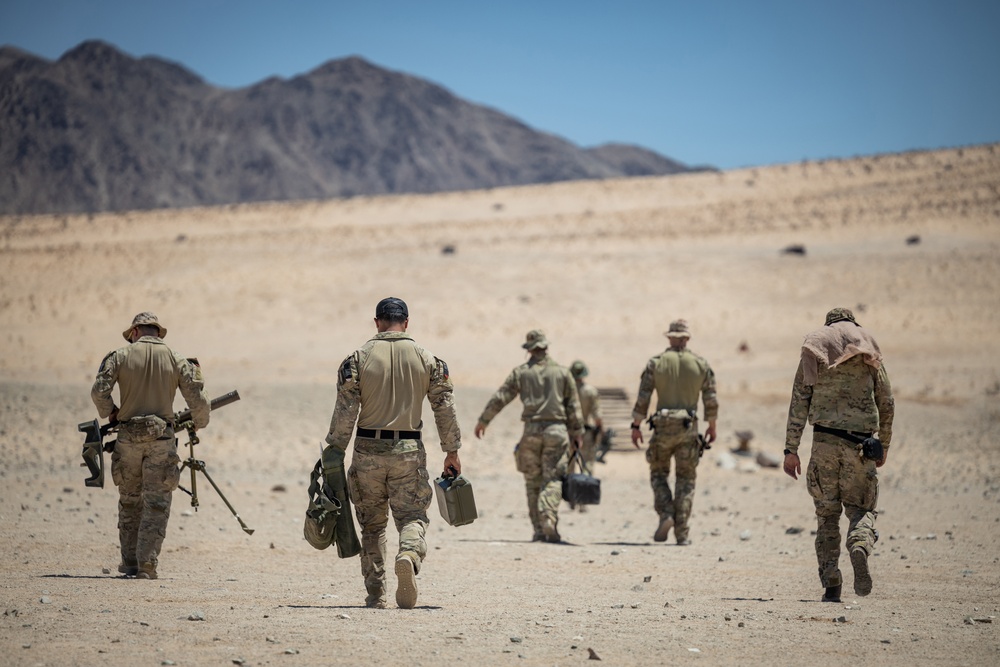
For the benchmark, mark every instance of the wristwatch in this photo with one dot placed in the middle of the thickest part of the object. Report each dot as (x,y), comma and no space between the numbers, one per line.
(635,426)
(788,451)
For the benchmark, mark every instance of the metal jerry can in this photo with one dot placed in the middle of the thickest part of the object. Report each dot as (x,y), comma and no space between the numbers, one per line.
(455,500)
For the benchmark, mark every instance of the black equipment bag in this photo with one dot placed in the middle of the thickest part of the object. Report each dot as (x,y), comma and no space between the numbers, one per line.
(580,488)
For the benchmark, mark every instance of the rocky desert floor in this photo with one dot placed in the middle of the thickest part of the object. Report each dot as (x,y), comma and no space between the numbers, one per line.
(270,298)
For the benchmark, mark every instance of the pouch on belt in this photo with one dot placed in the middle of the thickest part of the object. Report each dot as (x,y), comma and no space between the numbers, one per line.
(455,499)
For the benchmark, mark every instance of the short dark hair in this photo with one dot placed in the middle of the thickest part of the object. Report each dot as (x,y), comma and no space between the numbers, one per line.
(391,309)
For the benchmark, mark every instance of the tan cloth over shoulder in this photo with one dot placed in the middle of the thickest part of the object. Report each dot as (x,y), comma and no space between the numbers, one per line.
(833,345)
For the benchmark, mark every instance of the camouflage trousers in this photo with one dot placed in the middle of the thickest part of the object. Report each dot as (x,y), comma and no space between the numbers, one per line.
(588,450)
(146,474)
(541,457)
(378,483)
(839,480)
(682,447)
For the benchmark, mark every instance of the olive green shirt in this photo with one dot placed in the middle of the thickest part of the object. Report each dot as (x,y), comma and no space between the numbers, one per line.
(547,390)
(678,376)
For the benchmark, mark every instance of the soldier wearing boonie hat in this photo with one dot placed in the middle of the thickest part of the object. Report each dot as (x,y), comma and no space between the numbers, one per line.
(144,465)
(678,376)
(381,387)
(551,417)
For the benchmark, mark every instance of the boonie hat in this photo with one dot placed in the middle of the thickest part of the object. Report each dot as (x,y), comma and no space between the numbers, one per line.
(390,307)
(579,369)
(146,318)
(840,315)
(535,340)
(678,329)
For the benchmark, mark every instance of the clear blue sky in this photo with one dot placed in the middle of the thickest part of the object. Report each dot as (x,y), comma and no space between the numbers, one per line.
(729,83)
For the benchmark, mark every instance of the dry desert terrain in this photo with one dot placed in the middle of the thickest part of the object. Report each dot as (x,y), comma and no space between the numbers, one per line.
(271,297)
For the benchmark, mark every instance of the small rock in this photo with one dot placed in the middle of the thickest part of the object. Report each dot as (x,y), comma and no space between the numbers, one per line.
(593,654)
(167,662)
(740,624)
(793,530)
(745,535)
(647,579)
(616,553)
(636,605)
(695,650)
(840,619)
(618,606)
(45,599)
(291,651)
(196,616)
(516,640)
(278,488)
(105,570)
(345,617)
(728,617)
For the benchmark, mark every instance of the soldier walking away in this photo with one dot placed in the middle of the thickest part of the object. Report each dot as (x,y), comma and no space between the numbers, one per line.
(144,465)
(590,408)
(677,375)
(551,418)
(381,386)
(842,389)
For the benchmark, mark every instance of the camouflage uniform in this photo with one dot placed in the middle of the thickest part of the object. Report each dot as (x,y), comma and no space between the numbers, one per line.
(852,396)
(678,376)
(144,465)
(382,387)
(590,408)
(551,417)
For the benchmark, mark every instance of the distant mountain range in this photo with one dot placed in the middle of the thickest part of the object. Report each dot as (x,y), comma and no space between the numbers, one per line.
(98,130)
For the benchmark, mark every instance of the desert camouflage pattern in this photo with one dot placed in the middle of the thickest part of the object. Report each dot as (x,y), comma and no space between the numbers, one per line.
(542,457)
(148,374)
(551,416)
(146,473)
(839,479)
(673,441)
(852,396)
(144,466)
(377,484)
(374,398)
(382,385)
(678,376)
(547,390)
(590,409)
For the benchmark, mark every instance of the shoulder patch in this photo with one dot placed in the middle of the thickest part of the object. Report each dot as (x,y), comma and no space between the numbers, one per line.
(444,367)
(345,373)
(105,360)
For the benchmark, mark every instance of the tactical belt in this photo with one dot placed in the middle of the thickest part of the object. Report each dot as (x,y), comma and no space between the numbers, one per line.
(852,436)
(383,434)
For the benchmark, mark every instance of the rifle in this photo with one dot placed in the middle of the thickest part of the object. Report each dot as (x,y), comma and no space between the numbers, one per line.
(94,446)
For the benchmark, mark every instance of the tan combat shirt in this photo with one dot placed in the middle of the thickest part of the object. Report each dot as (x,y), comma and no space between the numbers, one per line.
(547,390)
(148,374)
(677,375)
(852,396)
(590,403)
(383,385)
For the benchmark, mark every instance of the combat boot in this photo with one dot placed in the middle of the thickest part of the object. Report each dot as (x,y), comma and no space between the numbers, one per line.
(550,530)
(376,597)
(664,529)
(128,567)
(862,577)
(146,571)
(832,593)
(406,582)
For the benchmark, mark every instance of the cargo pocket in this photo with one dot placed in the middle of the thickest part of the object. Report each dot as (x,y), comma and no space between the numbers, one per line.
(353,490)
(519,459)
(116,468)
(812,483)
(871,491)
(173,477)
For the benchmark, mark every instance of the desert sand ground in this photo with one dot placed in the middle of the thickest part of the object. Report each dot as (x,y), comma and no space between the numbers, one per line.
(271,297)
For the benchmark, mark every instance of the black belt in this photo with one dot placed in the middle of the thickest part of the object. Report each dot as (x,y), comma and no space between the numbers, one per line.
(383,434)
(840,433)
